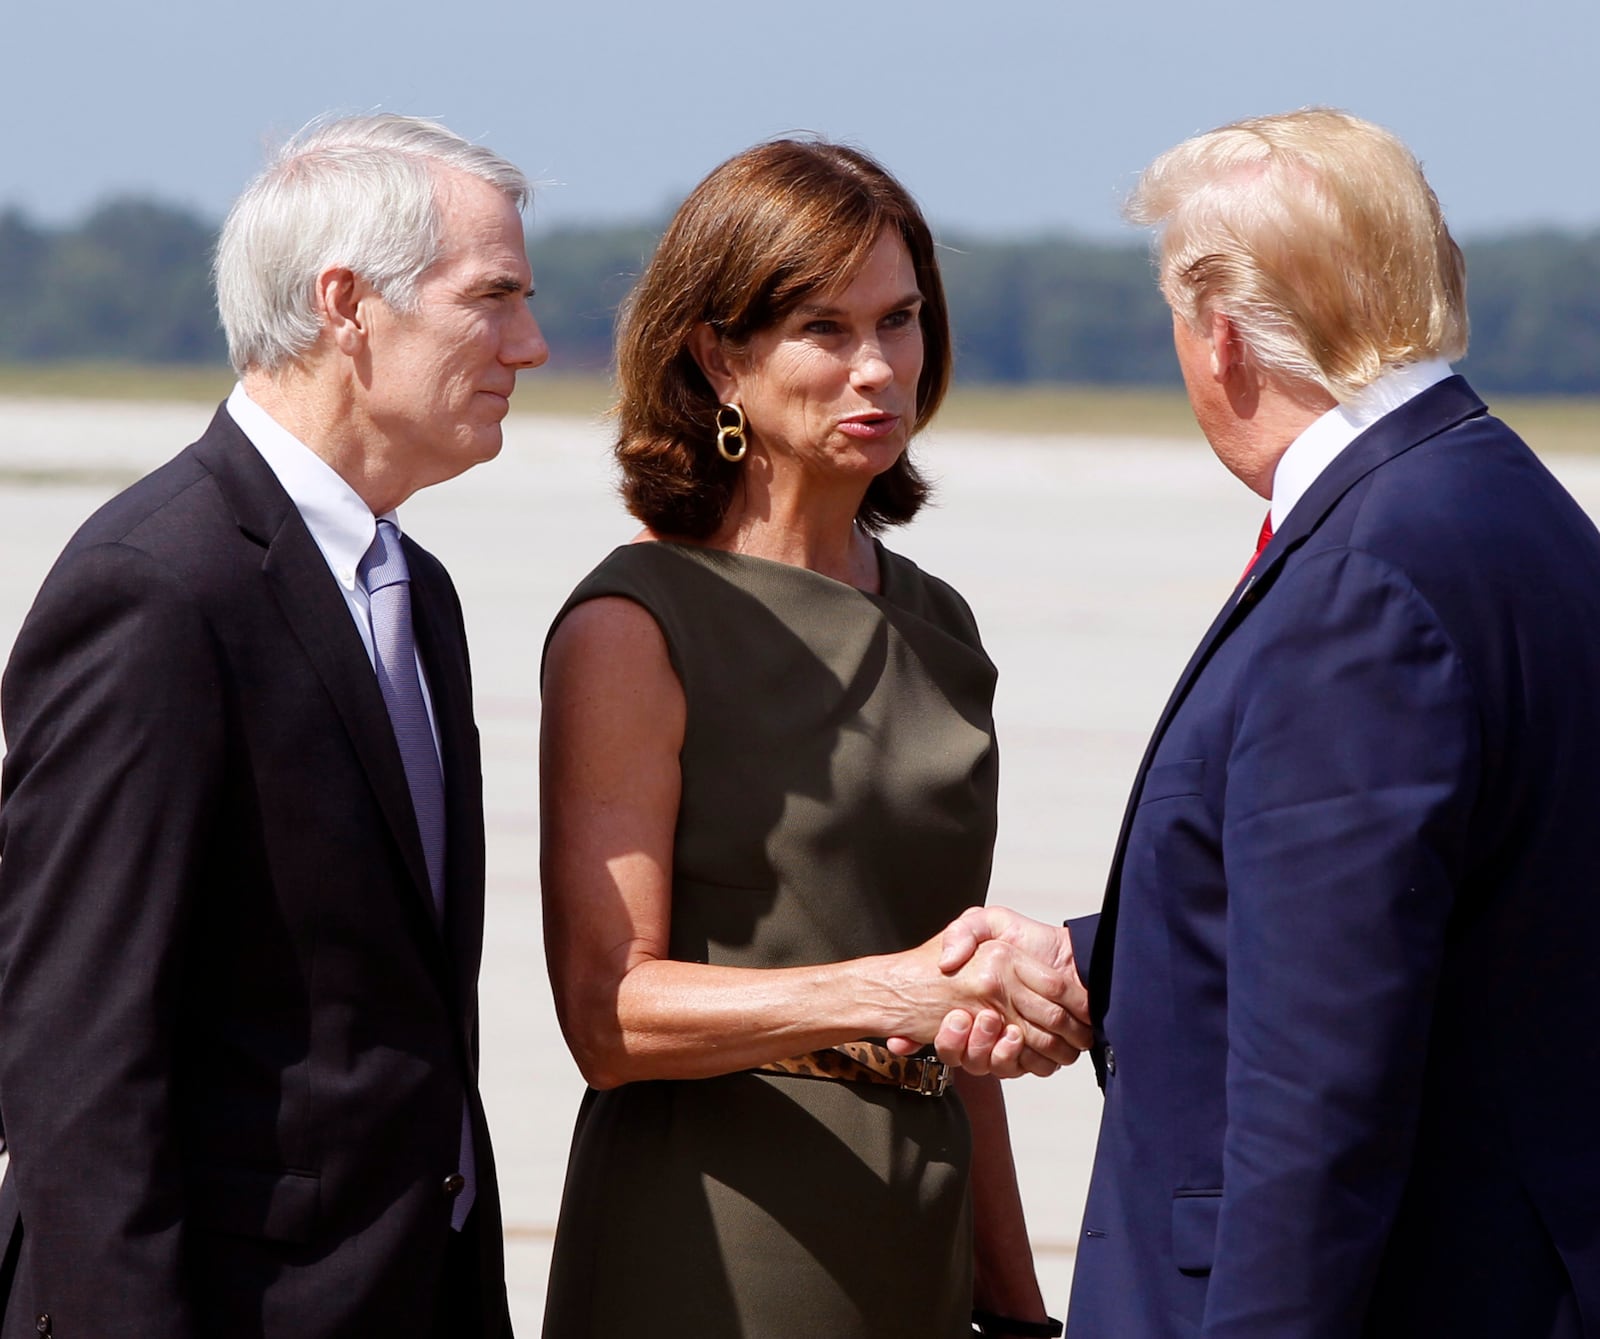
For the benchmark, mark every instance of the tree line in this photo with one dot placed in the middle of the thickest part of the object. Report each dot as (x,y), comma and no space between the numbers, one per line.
(130,282)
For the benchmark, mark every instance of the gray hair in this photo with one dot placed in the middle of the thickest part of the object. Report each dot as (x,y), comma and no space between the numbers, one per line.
(358,192)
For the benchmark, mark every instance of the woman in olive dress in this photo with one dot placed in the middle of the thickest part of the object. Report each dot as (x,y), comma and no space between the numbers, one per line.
(768,782)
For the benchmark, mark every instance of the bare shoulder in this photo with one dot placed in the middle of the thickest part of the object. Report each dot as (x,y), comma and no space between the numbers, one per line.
(608,635)
(608,676)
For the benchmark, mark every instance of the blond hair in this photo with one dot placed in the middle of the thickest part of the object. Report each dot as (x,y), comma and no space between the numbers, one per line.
(1316,234)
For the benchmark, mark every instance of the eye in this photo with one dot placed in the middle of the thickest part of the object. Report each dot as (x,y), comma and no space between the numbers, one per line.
(897,320)
(822,326)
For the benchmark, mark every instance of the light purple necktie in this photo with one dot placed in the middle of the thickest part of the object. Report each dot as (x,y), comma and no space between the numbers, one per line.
(388,583)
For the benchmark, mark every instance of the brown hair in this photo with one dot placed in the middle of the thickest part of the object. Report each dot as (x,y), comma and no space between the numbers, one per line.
(761,233)
(1317,235)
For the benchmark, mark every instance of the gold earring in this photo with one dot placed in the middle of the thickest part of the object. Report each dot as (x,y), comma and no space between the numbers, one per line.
(734,431)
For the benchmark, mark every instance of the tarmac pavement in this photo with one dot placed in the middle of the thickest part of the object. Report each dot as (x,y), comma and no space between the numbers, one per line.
(1093,565)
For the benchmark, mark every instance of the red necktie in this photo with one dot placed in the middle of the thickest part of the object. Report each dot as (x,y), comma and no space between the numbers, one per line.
(1262,541)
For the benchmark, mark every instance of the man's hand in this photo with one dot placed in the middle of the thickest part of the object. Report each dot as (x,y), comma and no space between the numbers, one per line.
(982,1042)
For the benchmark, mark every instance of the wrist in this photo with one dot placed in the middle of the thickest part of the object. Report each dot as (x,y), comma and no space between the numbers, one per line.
(988,1323)
(904,992)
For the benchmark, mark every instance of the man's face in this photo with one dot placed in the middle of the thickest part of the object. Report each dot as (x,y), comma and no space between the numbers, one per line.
(437,380)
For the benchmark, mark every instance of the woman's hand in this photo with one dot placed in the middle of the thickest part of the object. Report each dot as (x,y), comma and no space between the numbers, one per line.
(1047,1022)
(987,992)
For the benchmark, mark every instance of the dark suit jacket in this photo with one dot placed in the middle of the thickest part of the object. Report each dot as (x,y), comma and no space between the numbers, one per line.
(233,1040)
(1345,980)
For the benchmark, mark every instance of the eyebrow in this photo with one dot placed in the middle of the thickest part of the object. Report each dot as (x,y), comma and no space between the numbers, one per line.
(816,309)
(505,283)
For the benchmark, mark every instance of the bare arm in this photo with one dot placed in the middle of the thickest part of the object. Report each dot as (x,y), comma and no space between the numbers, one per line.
(613,727)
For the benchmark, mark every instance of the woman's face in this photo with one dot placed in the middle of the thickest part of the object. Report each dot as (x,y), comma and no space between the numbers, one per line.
(832,388)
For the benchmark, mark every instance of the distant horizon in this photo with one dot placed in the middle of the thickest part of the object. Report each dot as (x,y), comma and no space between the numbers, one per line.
(1115,235)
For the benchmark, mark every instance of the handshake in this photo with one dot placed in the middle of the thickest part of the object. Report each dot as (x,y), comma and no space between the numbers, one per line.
(1005,998)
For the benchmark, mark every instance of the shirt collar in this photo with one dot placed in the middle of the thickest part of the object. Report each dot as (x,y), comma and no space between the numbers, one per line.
(342,525)
(1314,449)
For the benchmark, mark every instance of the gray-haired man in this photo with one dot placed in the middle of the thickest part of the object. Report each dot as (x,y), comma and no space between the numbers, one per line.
(241,899)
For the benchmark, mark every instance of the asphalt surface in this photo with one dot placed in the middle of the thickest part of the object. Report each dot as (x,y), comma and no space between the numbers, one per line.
(1093,566)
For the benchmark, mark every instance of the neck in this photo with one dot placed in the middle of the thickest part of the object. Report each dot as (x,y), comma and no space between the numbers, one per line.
(815,530)
(1277,415)
(310,402)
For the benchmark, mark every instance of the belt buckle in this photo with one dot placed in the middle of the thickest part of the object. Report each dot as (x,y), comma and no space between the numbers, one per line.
(932,1081)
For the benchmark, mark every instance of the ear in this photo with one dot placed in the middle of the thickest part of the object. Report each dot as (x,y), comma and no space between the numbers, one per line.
(707,349)
(1227,353)
(341,299)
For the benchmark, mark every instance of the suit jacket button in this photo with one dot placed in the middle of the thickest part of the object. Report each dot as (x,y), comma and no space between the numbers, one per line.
(1111,1061)
(454,1184)
(43,1323)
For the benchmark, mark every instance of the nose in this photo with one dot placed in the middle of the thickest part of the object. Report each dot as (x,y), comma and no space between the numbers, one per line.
(525,343)
(871,370)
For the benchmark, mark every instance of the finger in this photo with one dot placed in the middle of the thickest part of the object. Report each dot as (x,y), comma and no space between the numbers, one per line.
(1043,1018)
(903,1045)
(1013,1057)
(1051,944)
(1050,1018)
(987,1030)
(1029,1061)
(1064,987)
(1058,1050)
(981,925)
(961,939)
(952,1041)
(1003,1059)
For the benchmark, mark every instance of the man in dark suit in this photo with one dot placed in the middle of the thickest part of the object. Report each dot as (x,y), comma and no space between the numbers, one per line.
(1344,985)
(241,892)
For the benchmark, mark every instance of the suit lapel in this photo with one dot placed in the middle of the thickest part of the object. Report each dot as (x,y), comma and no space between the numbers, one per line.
(1439,407)
(310,602)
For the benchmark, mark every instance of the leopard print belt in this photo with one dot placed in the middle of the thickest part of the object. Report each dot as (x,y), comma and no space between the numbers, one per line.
(864,1062)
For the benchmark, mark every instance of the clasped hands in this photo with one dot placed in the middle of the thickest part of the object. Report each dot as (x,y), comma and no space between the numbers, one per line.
(1029,1009)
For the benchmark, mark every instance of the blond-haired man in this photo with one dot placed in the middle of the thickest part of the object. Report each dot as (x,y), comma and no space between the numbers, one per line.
(1346,1010)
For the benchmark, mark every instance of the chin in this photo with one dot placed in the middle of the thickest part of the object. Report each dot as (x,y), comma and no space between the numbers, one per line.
(885,456)
(486,442)
(478,449)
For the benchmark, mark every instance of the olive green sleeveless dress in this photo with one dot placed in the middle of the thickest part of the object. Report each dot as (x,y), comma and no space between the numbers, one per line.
(839,782)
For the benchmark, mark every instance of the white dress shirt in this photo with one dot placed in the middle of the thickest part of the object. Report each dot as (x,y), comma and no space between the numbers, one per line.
(1314,449)
(342,525)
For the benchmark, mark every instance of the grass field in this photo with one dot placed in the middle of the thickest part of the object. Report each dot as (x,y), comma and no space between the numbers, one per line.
(1560,425)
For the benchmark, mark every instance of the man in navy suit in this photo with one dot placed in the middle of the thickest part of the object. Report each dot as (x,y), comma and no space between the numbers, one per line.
(241,897)
(1345,985)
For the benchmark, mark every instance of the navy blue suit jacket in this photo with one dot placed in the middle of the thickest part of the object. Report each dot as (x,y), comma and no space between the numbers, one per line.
(1347,1000)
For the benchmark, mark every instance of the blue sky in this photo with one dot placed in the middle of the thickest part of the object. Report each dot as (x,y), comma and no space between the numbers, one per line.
(1011,117)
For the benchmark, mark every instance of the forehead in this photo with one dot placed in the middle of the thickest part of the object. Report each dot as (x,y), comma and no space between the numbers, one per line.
(887,266)
(479,227)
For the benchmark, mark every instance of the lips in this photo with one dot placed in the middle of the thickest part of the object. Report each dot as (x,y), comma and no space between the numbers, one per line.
(869,426)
